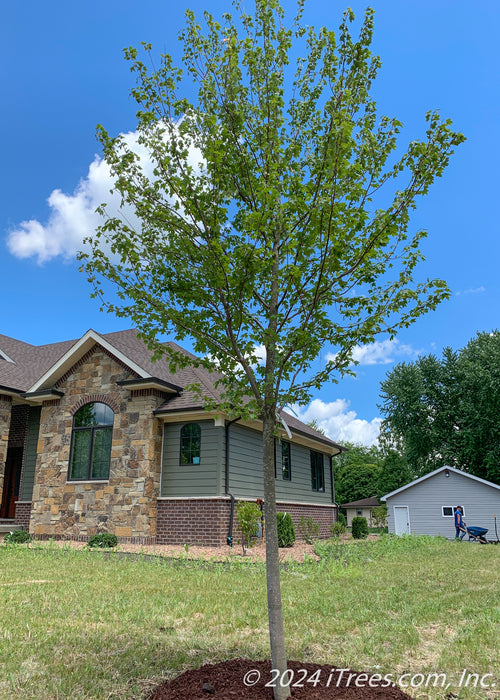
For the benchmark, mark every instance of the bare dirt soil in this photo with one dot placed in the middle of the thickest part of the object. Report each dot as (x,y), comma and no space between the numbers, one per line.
(299,552)
(226,681)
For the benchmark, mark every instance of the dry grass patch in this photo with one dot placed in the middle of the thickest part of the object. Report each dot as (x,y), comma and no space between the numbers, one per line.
(103,627)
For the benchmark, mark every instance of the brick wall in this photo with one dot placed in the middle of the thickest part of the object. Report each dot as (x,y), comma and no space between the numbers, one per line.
(18,425)
(22,517)
(5,408)
(205,522)
(325,516)
(193,521)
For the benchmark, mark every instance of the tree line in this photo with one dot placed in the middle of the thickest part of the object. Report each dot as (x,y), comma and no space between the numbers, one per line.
(436,411)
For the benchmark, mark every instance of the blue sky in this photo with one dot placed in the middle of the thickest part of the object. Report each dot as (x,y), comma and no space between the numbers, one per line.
(63,73)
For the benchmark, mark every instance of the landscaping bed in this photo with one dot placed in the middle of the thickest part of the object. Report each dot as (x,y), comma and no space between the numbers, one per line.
(225,681)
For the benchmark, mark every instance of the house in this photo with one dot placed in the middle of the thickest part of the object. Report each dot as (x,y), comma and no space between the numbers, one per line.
(94,437)
(362,508)
(426,506)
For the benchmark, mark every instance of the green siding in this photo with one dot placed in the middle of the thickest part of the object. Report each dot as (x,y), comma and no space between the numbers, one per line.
(300,487)
(30,454)
(201,479)
(245,460)
(246,479)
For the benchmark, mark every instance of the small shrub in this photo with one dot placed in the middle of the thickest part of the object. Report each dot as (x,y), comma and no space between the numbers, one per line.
(337,529)
(359,528)
(379,516)
(286,530)
(342,519)
(248,517)
(17,537)
(309,529)
(105,540)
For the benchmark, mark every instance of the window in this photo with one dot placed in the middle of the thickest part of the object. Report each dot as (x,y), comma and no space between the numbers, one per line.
(286,465)
(317,472)
(359,512)
(449,511)
(91,442)
(190,443)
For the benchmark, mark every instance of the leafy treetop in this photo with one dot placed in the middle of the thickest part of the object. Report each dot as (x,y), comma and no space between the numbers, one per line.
(268,218)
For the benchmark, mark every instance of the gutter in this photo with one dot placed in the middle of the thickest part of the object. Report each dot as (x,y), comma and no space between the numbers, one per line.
(229,539)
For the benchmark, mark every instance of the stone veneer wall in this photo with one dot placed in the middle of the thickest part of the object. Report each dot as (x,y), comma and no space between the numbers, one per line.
(5,410)
(124,504)
(205,522)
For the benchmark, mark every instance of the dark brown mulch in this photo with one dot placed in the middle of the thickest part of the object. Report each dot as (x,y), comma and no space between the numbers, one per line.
(225,681)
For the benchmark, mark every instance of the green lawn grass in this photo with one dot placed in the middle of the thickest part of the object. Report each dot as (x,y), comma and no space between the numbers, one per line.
(75,624)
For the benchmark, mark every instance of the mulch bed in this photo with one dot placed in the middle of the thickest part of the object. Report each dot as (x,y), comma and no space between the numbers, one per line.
(225,681)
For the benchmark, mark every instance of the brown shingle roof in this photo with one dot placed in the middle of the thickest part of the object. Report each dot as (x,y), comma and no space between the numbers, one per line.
(30,363)
(364,502)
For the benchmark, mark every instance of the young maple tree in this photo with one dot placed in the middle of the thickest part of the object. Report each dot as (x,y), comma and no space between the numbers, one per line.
(270,216)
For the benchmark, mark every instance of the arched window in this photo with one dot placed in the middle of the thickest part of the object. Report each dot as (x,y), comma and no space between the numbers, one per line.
(190,443)
(91,442)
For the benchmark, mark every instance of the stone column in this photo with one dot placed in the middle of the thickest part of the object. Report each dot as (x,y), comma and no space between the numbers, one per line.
(137,450)
(5,411)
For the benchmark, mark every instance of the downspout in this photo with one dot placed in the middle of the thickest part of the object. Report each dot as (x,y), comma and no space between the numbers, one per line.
(333,488)
(229,539)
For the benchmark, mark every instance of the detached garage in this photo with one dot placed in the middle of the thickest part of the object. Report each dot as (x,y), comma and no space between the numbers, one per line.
(427,505)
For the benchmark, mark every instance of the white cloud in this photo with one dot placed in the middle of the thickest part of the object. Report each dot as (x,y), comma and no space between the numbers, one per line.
(380,353)
(260,353)
(472,290)
(340,423)
(73,217)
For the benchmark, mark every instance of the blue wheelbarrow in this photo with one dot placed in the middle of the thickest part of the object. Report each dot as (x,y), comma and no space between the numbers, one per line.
(477,534)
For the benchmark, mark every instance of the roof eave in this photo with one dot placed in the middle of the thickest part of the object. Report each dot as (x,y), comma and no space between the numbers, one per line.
(42,395)
(10,391)
(151,383)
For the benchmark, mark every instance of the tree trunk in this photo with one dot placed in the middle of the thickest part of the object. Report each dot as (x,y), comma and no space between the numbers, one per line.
(274,607)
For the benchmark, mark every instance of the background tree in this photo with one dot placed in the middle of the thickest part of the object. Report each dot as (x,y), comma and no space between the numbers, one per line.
(477,406)
(273,211)
(357,473)
(394,472)
(445,411)
(367,472)
(416,405)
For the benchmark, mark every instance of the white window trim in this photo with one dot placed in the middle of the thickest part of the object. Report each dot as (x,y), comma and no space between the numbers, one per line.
(452,511)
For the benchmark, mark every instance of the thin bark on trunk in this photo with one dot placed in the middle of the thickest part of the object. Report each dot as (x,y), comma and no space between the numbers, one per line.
(275,612)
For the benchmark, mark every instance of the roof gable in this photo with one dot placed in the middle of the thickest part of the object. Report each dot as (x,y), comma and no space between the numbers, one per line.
(75,353)
(438,471)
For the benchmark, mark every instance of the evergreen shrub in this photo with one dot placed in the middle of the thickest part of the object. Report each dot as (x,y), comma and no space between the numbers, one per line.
(359,528)
(17,537)
(286,530)
(105,540)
